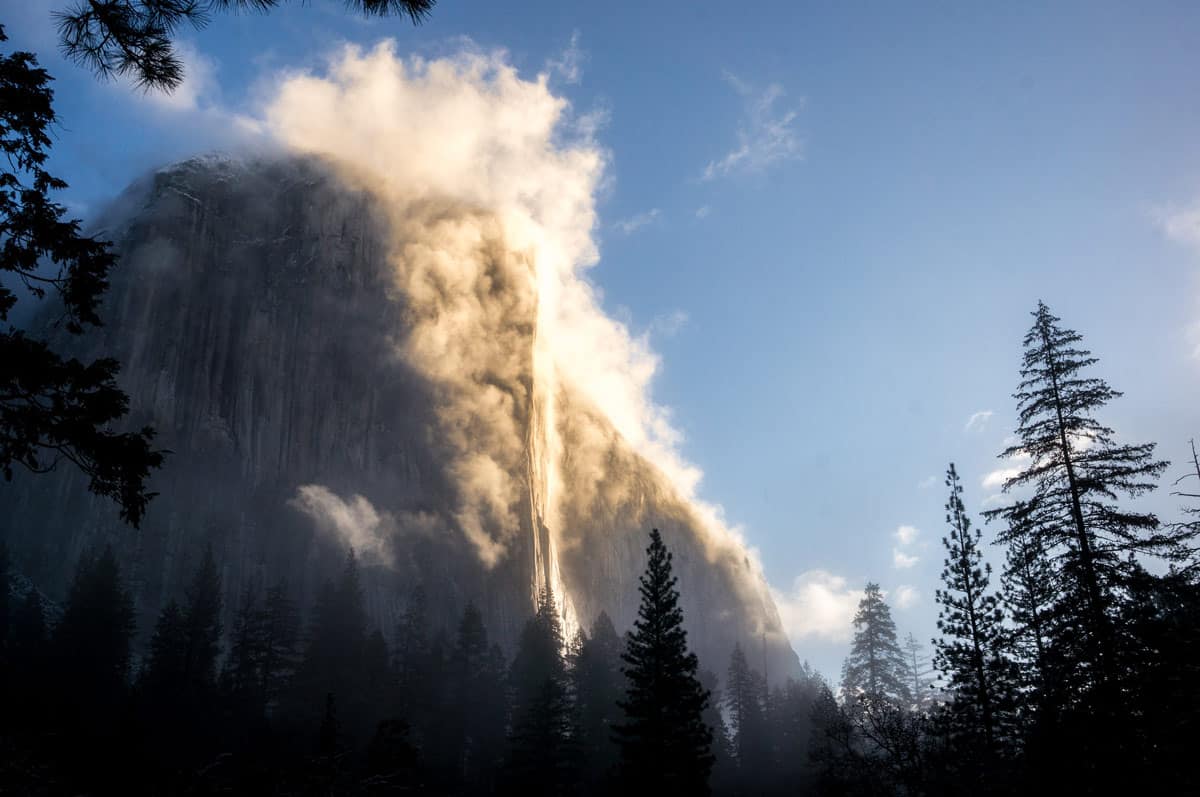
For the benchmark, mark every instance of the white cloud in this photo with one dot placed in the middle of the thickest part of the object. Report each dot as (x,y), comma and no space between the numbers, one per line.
(903,561)
(927,482)
(820,605)
(978,421)
(906,597)
(906,535)
(568,64)
(766,134)
(635,223)
(995,479)
(703,211)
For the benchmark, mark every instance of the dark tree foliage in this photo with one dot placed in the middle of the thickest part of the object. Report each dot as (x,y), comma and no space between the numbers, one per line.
(165,673)
(136,38)
(791,728)
(475,712)
(745,704)
(1161,669)
(875,667)
(918,673)
(543,751)
(5,588)
(1189,528)
(664,741)
(1077,470)
(724,778)
(202,625)
(334,659)
(597,684)
(971,649)
(27,636)
(1029,586)
(92,640)
(54,408)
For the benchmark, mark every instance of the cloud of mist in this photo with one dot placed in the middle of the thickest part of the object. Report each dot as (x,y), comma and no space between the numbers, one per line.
(492,182)
(354,521)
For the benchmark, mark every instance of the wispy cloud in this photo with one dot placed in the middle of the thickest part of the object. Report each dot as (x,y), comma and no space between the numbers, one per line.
(198,91)
(635,223)
(568,64)
(906,535)
(1180,224)
(993,480)
(906,597)
(668,325)
(927,482)
(818,605)
(978,421)
(766,133)
(703,211)
(903,561)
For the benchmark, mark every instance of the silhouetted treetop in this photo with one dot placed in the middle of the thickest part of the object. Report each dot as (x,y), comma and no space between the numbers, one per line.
(136,38)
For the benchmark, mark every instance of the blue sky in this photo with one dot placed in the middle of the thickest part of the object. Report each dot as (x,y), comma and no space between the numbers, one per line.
(833,222)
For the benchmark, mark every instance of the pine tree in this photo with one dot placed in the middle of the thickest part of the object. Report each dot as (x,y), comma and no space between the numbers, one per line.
(165,676)
(476,710)
(543,756)
(334,658)
(202,626)
(412,654)
(240,677)
(745,705)
(970,651)
(278,627)
(92,640)
(1077,469)
(917,672)
(1029,586)
(597,683)
(5,588)
(874,670)
(665,743)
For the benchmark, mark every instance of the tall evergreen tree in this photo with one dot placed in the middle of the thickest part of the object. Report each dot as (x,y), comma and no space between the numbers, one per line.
(971,648)
(476,709)
(202,625)
(918,673)
(665,743)
(874,670)
(1077,470)
(278,627)
(745,703)
(543,755)
(598,684)
(165,676)
(5,589)
(92,640)
(1029,586)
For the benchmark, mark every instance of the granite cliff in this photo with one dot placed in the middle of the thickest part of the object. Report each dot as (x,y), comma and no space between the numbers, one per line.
(297,344)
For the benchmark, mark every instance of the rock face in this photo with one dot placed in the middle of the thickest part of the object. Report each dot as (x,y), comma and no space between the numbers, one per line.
(267,331)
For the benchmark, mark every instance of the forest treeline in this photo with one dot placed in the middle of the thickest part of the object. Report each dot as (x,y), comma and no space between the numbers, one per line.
(1073,671)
